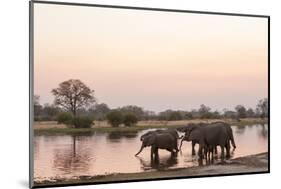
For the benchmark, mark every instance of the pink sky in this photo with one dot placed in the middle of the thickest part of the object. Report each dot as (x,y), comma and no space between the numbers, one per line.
(156,60)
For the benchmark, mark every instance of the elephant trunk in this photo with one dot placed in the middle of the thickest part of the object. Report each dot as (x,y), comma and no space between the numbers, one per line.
(181,143)
(140,150)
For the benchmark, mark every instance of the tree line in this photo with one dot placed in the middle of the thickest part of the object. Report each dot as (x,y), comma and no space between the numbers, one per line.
(74,104)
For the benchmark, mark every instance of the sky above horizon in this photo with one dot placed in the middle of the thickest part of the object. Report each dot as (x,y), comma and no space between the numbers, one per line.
(156,60)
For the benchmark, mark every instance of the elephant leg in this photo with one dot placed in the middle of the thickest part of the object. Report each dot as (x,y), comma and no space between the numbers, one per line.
(193,150)
(156,153)
(176,146)
(209,153)
(172,151)
(200,162)
(200,151)
(227,150)
(222,152)
(151,152)
(216,149)
(206,152)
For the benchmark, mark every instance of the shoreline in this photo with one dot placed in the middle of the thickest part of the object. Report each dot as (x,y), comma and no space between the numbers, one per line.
(62,129)
(257,163)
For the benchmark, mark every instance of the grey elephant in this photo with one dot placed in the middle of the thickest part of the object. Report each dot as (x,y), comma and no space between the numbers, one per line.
(210,136)
(208,149)
(158,140)
(172,132)
(184,138)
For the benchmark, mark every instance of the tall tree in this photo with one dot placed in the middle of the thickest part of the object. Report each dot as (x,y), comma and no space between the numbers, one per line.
(262,107)
(99,111)
(204,111)
(50,111)
(241,111)
(250,112)
(36,106)
(138,111)
(72,95)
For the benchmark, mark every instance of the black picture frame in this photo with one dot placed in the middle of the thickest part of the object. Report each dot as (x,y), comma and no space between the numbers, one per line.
(31,84)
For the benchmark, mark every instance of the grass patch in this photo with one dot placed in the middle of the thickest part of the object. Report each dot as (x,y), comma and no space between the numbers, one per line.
(100,129)
(248,122)
(136,128)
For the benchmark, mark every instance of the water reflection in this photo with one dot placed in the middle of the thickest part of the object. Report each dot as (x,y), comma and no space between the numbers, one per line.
(158,163)
(263,132)
(74,157)
(240,129)
(104,153)
(113,136)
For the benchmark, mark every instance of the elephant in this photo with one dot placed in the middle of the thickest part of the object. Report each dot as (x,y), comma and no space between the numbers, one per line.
(229,132)
(210,136)
(209,149)
(158,140)
(184,138)
(173,132)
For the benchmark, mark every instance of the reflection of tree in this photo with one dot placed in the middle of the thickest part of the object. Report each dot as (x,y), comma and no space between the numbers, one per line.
(72,159)
(159,164)
(36,147)
(263,132)
(240,129)
(118,135)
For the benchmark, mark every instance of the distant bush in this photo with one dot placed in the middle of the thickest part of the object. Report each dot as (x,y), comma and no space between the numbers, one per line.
(188,115)
(206,115)
(65,118)
(174,115)
(130,119)
(114,118)
(82,122)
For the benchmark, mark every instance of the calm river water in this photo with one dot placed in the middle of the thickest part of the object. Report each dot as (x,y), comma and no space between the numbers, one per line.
(105,153)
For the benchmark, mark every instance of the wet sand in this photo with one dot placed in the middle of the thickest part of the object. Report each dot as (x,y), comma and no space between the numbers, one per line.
(249,164)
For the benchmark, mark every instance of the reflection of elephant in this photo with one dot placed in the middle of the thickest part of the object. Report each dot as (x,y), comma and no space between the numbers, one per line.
(158,140)
(172,132)
(164,163)
(210,136)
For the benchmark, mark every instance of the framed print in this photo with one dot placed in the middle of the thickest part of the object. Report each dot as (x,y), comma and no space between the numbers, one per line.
(126,94)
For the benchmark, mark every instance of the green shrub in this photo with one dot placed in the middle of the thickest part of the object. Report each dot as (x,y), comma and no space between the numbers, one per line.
(65,118)
(82,122)
(130,119)
(175,115)
(114,118)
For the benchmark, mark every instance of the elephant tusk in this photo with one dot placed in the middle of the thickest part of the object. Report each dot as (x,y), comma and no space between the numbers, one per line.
(181,137)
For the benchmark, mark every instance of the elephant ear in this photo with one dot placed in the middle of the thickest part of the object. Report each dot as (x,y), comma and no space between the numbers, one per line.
(151,140)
